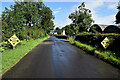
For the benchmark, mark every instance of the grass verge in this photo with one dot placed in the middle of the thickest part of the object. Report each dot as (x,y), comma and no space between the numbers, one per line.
(107,56)
(11,56)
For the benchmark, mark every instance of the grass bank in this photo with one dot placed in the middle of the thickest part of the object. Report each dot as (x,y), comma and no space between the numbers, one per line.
(11,56)
(107,56)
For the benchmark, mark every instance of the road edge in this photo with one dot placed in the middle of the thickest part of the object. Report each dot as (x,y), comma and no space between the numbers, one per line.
(20,59)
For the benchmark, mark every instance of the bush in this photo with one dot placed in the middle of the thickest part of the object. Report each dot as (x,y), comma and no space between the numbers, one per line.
(71,40)
(107,56)
(3,46)
(96,39)
(61,36)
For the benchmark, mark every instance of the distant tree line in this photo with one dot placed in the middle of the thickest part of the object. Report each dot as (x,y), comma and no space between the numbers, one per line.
(28,20)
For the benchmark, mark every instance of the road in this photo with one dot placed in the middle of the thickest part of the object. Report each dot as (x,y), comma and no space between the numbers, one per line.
(54,58)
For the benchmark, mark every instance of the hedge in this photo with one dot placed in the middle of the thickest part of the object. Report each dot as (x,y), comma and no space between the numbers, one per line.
(96,39)
(61,36)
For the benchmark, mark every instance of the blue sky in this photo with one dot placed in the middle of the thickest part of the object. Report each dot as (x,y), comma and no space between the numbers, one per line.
(102,12)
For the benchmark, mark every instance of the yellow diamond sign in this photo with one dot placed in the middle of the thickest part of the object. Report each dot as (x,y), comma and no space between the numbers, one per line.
(14,40)
(105,43)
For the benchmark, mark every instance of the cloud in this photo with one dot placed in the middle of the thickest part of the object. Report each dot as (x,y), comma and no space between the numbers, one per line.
(108,20)
(59,8)
(112,6)
(62,23)
(55,12)
(94,7)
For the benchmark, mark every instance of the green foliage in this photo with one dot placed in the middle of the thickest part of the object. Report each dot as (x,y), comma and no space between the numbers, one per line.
(30,14)
(59,31)
(3,46)
(95,29)
(85,33)
(61,36)
(57,28)
(27,20)
(10,57)
(84,46)
(71,40)
(68,30)
(118,14)
(81,18)
(108,56)
(96,39)
(81,45)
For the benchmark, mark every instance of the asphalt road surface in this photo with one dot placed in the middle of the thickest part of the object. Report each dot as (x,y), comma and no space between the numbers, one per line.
(54,58)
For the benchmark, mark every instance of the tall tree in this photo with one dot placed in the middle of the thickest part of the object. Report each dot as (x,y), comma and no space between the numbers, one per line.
(118,14)
(68,30)
(25,19)
(57,28)
(81,18)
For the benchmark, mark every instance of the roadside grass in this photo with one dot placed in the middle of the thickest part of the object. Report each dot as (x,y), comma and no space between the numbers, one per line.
(64,39)
(81,45)
(11,56)
(84,46)
(107,56)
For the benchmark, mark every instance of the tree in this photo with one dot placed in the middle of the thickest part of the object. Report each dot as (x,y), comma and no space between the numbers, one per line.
(75,30)
(59,31)
(26,20)
(57,28)
(81,18)
(118,14)
(68,30)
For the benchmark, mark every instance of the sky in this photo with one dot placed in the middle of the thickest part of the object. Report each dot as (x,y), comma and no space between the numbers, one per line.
(103,12)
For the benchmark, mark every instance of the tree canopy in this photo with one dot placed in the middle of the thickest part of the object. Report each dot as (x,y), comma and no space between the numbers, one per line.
(81,18)
(118,14)
(27,20)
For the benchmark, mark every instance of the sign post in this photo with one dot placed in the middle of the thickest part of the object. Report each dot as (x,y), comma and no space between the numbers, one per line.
(14,40)
(105,43)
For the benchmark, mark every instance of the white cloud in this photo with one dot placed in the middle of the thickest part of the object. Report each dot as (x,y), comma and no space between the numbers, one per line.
(108,20)
(62,23)
(55,12)
(75,7)
(95,4)
(113,6)
(59,8)
(94,7)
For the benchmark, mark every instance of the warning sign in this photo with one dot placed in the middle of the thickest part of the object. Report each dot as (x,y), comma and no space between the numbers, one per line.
(14,40)
(105,43)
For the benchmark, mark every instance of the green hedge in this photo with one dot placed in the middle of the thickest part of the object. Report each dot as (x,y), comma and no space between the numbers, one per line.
(61,36)
(107,56)
(96,39)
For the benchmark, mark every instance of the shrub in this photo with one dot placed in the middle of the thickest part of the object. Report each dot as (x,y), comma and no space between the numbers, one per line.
(61,36)
(3,46)
(96,39)
(71,40)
